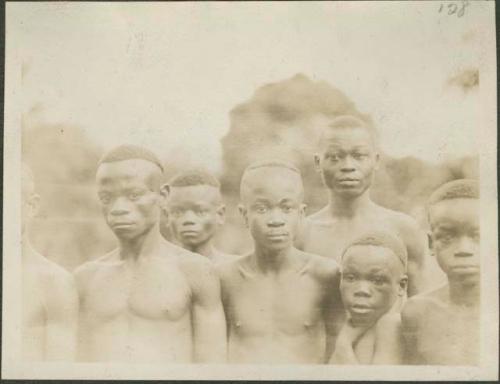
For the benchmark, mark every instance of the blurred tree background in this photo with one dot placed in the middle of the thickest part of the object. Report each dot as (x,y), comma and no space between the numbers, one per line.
(280,120)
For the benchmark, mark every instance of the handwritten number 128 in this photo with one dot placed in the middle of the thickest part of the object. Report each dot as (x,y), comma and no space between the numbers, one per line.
(454,8)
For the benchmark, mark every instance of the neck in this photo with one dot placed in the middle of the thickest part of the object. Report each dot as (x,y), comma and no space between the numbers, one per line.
(465,294)
(271,260)
(204,249)
(140,247)
(348,206)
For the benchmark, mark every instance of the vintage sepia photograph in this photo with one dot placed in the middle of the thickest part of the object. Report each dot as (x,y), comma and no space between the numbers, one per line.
(250,190)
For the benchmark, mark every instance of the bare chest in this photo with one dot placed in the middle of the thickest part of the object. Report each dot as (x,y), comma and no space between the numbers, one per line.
(449,337)
(155,292)
(261,306)
(330,239)
(365,347)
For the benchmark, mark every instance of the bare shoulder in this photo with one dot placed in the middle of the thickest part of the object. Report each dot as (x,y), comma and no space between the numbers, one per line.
(405,224)
(54,277)
(196,268)
(90,267)
(221,257)
(229,268)
(390,320)
(416,307)
(319,216)
(322,268)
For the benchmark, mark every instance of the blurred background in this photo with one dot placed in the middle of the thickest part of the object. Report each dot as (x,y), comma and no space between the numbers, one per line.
(220,86)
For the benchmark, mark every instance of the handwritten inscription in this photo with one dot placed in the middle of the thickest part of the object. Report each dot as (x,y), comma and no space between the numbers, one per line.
(454,8)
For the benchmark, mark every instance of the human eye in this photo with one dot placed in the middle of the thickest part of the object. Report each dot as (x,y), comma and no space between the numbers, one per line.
(176,212)
(444,236)
(134,195)
(348,277)
(333,157)
(378,280)
(105,198)
(202,212)
(359,155)
(287,208)
(260,208)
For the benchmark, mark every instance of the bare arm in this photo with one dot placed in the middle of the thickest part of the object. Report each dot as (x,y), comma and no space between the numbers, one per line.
(302,233)
(389,348)
(409,330)
(416,246)
(333,312)
(209,325)
(344,345)
(61,318)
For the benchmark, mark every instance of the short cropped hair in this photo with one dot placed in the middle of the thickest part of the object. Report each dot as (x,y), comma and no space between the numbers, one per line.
(456,189)
(193,177)
(382,239)
(270,163)
(130,152)
(349,121)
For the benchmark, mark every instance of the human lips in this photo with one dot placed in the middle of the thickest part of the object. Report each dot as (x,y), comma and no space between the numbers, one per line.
(277,235)
(189,233)
(465,268)
(122,225)
(361,309)
(348,180)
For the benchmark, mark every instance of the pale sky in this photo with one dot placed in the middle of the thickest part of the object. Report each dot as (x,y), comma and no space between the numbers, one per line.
(165,75)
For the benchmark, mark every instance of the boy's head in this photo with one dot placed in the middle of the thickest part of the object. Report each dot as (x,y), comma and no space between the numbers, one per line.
(272,196)
(373,275)
(453,211)
(347,155)
(29,199)
(194,207)
(128,185)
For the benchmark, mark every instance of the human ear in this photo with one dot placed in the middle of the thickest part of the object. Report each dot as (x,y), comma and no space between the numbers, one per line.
(34,205)
(430,242)
(317,162)
(244,213)
(377,161)
(221,214)
(403,285)
(164,192)
(302,210)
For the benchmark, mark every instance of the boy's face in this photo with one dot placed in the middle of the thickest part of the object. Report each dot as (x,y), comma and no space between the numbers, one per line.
(455,237)
(272,206)
(129,194)
(194,213)
(347,160)
(372,278)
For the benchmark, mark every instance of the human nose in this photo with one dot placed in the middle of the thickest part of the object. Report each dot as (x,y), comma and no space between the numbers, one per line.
(362,289)
(275,219)
(465,247)
(347,164)
(188,218)
(119,207)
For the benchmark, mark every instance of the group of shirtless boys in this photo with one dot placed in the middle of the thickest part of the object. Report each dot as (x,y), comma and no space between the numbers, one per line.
(345,285)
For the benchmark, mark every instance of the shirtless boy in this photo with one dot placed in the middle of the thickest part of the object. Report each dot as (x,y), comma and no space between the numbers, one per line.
(347,158)
(49,297)
(442,326)
(195,212)
(148,300)
(373,277)
(279,301)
